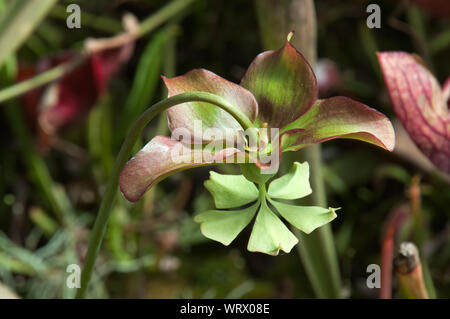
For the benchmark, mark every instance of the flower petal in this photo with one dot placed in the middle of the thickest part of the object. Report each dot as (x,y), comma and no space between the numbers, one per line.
(305,218)
(224,226)
(184,115)
(231,191)
(293,185)
(270,234)
(283,83)
(339,117)
(162,157)
(419,104)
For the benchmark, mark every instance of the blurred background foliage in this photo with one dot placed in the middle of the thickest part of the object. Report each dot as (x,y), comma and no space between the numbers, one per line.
(153,249)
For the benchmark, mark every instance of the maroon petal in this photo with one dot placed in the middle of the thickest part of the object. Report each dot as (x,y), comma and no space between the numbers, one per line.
(419,104)
(211,116)
(162,157)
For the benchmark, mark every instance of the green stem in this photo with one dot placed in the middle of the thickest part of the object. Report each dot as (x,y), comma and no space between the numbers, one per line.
(124,154)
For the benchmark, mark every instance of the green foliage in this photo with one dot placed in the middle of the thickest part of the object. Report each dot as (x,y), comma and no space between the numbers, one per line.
(142,239)
(269,234)
(224,226)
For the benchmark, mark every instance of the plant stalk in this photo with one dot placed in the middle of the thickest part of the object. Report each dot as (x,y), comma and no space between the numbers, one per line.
(148,25)
(101,220)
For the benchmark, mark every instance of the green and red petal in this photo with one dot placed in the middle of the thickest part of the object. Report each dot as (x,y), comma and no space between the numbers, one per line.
(420,104)
(339,117)
(284,85)
(162,157)
(211,116)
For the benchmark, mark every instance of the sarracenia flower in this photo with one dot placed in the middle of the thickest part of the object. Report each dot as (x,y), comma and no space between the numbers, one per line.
(278,92)
(420,104)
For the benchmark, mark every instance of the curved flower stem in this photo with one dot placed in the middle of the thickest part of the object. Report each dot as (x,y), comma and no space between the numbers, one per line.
(101,221)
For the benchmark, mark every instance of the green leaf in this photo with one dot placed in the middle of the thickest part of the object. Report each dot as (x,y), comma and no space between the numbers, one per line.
(339,117)
(231,191)
(224,226)
(269,234)
(293,185)
(18,21)
(283,83)
(305,218)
